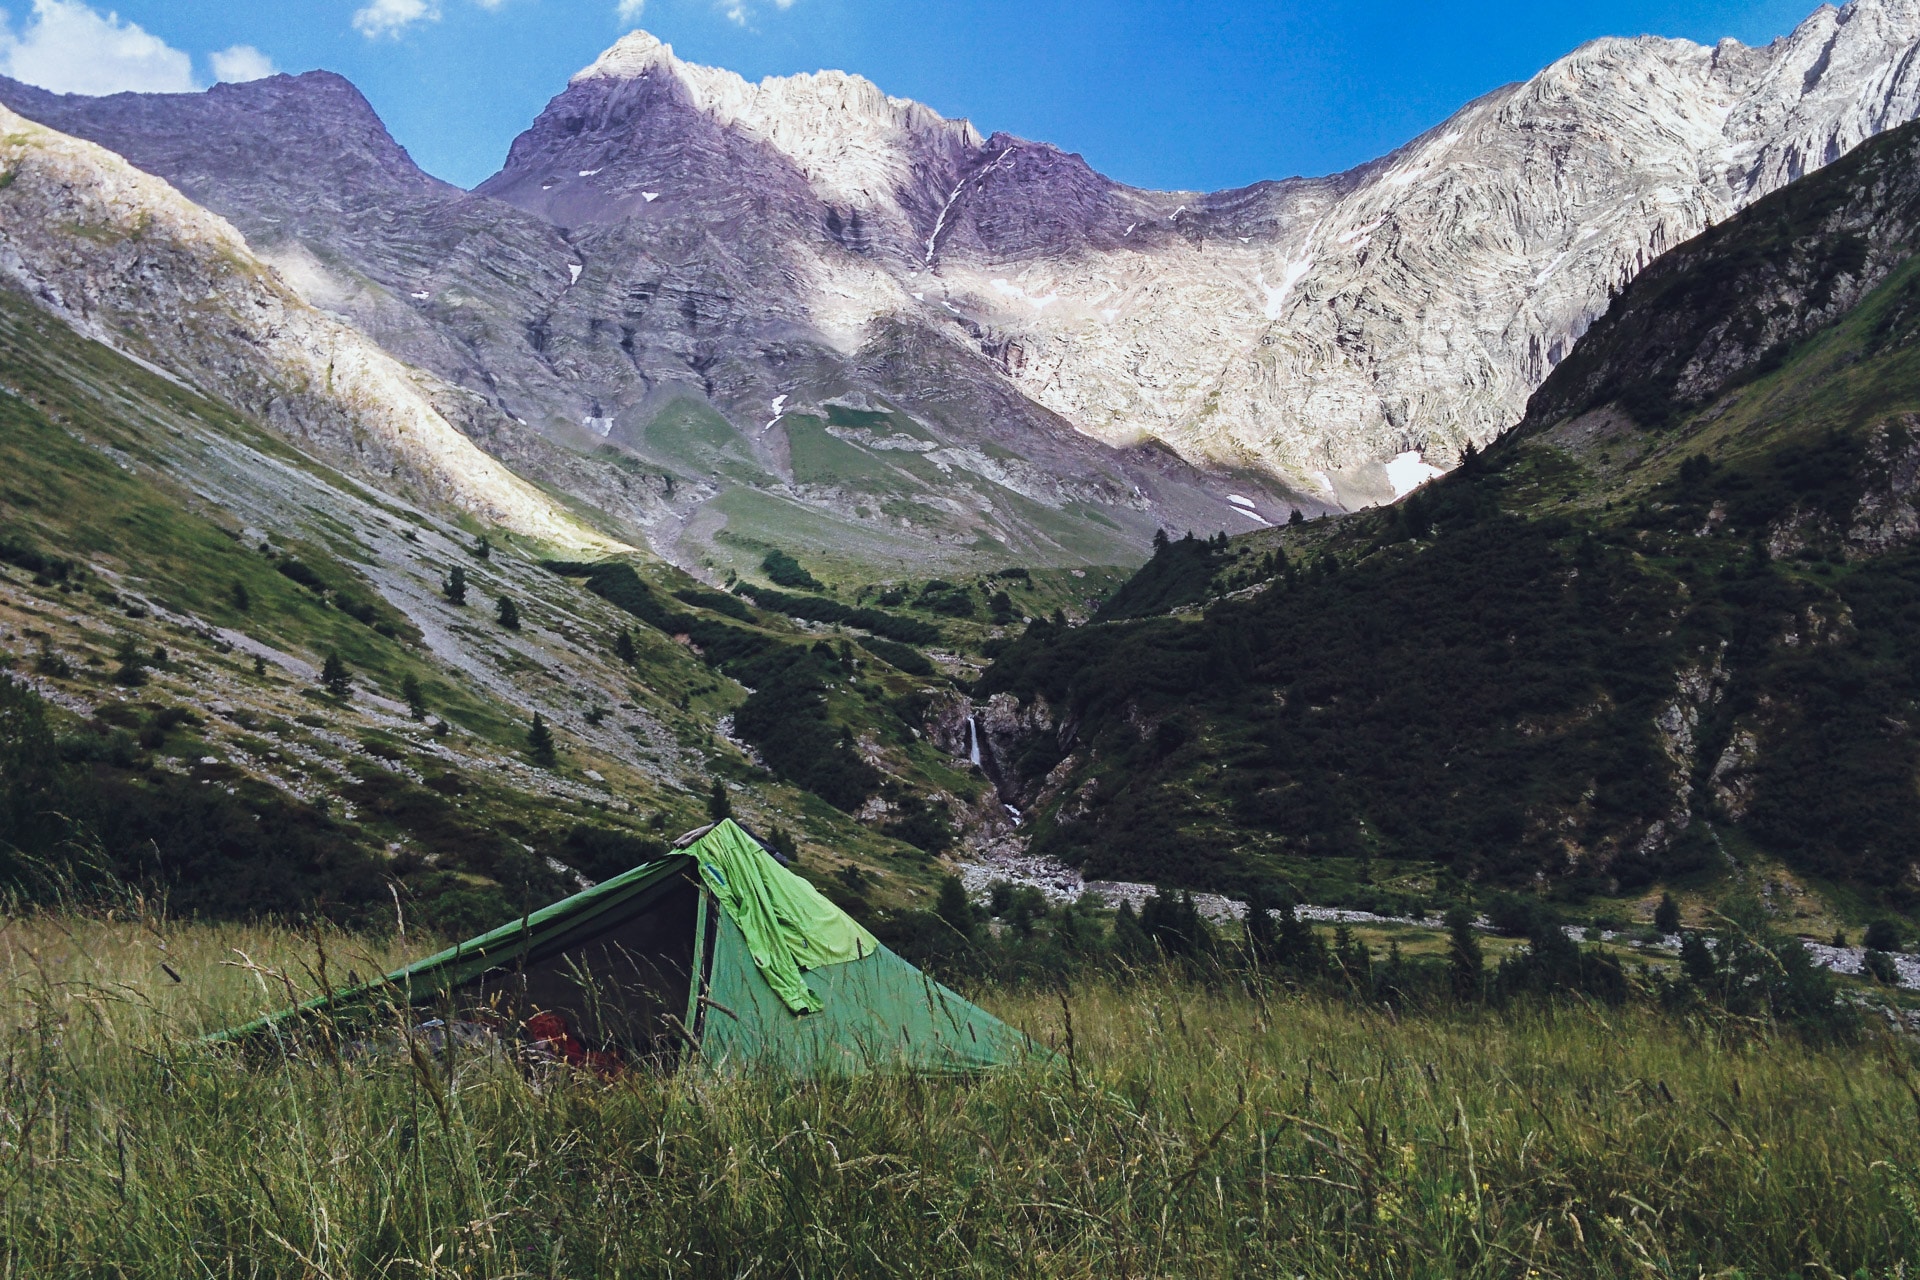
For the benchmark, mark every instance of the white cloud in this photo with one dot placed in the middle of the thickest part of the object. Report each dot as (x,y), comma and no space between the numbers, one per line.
(630,10)
(240,64)
(70,48)
(738,12)
(377,18)
(392,17)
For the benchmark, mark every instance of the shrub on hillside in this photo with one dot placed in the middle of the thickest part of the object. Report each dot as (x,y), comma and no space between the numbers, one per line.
(787,718)
(903,657)
(601,853)
(784,571)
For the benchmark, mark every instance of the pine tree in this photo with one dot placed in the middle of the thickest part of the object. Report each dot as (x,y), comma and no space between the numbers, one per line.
(1175,924)
(1666,916)
(1130,941)
(1297,946)
(483,549)
(781,841)
(719,803)
(540,743)
(133,664)
(1396,974)
(1464,963)
(259,665)
(953,908)
(508,612)
(242,601)
(623,648)
(1696,960)
(455,587)
(1027,909)
(334,676)
(1880,967)
(1350,953)
(416,699)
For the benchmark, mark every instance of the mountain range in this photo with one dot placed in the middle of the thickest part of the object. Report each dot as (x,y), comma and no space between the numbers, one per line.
(804,313)
(1662,630)
(322,482)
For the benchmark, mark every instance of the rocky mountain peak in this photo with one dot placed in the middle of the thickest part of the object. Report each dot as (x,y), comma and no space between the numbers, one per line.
(1312,328)
(313,133)
(124,258)
(780,109)
(640,120)
(809,243)
(629,57)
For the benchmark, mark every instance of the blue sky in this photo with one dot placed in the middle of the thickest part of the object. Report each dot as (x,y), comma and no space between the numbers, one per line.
(1191,94)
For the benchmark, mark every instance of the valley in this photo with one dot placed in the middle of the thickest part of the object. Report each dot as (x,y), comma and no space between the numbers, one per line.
(763,517)
(1633,642)
(789,686)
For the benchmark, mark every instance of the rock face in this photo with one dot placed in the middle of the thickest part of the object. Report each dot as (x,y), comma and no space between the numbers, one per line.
(1417,302)
(804,312)
(128,261)
(1672,605)
(1314,328)
(1724,307)
(305,170)
(678,351)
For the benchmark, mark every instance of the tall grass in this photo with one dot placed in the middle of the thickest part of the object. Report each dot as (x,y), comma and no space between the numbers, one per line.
(1186,1130)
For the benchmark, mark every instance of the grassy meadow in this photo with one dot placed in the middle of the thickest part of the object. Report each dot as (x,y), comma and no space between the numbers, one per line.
(1188,1127)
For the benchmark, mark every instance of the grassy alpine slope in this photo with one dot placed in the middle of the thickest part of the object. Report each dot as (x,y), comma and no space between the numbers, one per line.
(173,580)
(1191,1128)
(292,633)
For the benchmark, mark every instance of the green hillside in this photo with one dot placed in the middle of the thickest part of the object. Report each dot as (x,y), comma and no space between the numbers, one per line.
(1626,646)
(173,583)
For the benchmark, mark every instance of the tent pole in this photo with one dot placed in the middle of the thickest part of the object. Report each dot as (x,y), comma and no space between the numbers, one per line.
(697,976)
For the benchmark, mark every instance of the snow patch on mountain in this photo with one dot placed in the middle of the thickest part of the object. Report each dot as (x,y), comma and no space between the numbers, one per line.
(1408,471)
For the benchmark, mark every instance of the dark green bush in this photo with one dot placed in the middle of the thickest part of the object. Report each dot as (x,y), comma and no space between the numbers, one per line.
(601,853)
(1881,935)
(718,601)
(302,573)
(786,717)
(920,824)
(784,571)
(821,609)
(905,658)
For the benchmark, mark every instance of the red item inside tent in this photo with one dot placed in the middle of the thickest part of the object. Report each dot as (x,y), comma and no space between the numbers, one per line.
(551,1032)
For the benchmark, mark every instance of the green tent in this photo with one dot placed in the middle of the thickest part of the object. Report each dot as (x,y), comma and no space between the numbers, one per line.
(716,950)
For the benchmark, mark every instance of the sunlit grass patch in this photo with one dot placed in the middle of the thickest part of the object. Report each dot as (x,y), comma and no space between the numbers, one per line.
(1185,1129)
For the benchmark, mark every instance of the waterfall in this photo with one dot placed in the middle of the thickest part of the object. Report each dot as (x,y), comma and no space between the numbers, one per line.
(980,752)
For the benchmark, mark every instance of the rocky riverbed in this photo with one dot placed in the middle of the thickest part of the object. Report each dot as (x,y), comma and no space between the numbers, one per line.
(1061,883)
